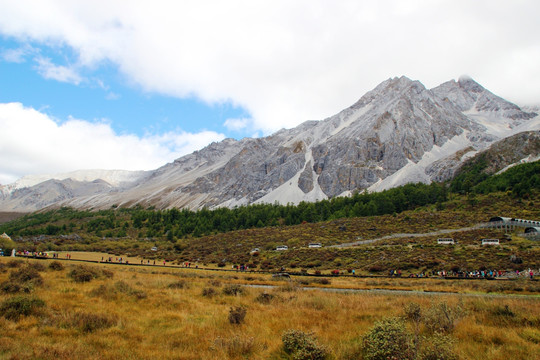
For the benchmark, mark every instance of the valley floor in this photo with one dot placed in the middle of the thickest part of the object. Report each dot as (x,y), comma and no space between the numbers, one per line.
(53,309)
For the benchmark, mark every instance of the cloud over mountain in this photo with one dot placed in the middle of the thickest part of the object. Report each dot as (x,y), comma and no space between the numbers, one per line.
(48,146)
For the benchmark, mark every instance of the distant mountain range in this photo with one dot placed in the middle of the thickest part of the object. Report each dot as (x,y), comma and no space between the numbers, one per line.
(399,132)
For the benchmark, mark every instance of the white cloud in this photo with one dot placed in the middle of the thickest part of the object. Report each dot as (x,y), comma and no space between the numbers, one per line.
(15,55)
(237,124)
(57,72)
(287,62)
(33,143)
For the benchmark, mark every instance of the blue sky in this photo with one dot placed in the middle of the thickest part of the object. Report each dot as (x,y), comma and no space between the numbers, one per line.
(103,94)
(135,85)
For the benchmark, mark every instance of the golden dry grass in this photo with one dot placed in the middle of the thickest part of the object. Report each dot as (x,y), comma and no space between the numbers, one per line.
(150,320)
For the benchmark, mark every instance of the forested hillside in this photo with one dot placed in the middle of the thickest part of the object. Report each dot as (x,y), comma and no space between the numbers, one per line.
(173,224)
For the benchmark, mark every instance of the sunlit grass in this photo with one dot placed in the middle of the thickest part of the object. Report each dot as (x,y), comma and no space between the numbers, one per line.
(178,322)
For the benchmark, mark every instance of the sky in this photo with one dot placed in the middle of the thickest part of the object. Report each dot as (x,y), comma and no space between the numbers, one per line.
(136,84)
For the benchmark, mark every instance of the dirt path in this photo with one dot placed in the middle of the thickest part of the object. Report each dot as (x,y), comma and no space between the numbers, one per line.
(400,235)
(403,292)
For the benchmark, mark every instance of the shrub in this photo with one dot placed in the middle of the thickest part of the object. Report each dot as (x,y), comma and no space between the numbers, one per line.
(209,292)
(235,346)
(26,275)
(302,345)
(438,347)
(36,266)
(323,281)
(125,288)
(83,273)
(15,307)
(387,339)
(10,287)
(14,263)
(265,298)
(180,284)
(442,318)
(233,289)
(376,268)
(237,315)
(90,322)
(107,273)
(56,265)
(413,313)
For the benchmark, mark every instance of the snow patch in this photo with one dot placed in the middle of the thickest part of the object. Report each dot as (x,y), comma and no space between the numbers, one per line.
(525,160)
(416,172)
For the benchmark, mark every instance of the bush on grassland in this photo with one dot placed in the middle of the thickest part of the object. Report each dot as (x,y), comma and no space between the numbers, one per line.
(265,298)
(36,266)
(111,292)
(301,345)
(83,273)
(237,315)
(388,339)
(84,321)
(90,322)
(26,275)
(235,346)
(180,284)
(437,347)
(56,265)
(233,289)
(441,318)
(14,263)
(208,292)
(10,287)
(15,307)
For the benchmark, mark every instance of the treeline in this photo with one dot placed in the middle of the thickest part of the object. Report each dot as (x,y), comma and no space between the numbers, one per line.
(175,223)
(520,180)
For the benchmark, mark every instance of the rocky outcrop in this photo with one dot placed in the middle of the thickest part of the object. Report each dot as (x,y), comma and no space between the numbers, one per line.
(397,133)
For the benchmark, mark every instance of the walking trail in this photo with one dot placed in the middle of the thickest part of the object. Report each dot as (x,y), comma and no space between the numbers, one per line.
(400,235)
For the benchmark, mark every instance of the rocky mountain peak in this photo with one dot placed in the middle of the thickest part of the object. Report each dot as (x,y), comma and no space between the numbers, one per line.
(469,85)
(398,132)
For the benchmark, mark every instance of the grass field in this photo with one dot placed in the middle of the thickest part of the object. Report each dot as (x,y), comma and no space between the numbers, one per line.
(69,310)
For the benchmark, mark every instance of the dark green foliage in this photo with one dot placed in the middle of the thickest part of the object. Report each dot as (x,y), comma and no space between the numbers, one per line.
(521,180)
(15,307)
(237,315)
(388,339)
(303,346)
(172,224)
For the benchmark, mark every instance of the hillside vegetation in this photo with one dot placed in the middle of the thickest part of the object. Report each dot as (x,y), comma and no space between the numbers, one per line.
(228,236)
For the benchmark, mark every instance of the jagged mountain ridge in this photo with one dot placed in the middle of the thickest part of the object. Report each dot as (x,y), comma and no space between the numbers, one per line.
(399,132)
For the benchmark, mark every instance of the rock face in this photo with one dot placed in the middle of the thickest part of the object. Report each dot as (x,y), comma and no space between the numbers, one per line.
(519,148)
(397,133)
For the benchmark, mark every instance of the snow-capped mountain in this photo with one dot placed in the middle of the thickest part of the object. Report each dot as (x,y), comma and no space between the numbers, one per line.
(397,133)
